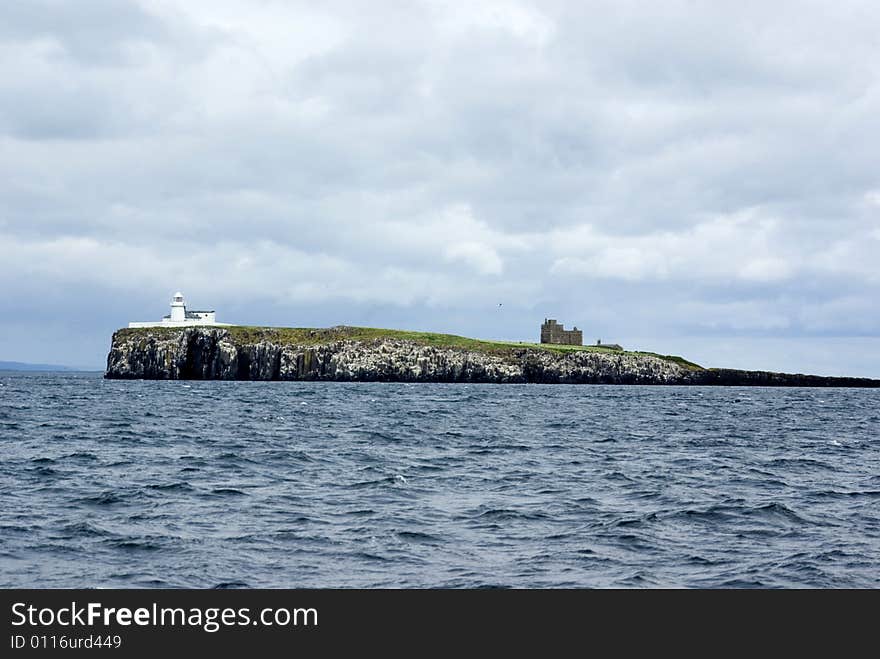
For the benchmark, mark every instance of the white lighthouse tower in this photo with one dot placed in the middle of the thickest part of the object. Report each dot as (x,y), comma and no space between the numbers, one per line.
(178,308)
(180,316)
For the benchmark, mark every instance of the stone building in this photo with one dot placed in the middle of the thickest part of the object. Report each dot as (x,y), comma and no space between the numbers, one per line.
(553,332)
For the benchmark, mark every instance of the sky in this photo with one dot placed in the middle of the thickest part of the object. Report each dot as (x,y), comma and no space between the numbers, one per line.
(695,178)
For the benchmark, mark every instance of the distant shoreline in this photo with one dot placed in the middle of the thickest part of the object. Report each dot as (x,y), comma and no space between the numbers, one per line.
(47,368)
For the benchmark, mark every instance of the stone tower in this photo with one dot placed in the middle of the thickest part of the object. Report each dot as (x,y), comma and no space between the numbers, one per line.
(553,332)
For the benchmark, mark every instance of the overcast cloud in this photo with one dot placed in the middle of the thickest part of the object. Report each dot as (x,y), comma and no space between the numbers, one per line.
(689,177)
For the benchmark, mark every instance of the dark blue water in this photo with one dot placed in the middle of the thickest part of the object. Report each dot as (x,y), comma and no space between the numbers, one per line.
(203,484)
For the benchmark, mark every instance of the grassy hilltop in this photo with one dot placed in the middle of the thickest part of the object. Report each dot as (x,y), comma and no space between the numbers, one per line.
(304,336)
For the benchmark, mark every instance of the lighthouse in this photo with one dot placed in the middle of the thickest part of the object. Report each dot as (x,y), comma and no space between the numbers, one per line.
(178,308)
(181,316)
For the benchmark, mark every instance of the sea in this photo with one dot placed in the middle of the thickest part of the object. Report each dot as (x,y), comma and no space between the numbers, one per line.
(120,484)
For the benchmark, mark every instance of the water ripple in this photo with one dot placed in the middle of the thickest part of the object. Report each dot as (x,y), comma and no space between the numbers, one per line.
(244,485)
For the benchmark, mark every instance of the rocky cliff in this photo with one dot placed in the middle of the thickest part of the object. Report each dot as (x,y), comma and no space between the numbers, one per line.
(356,354)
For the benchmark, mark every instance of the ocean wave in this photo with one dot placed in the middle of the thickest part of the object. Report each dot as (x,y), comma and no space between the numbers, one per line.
(427,485)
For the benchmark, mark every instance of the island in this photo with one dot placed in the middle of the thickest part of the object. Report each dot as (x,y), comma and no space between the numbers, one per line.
(361,354)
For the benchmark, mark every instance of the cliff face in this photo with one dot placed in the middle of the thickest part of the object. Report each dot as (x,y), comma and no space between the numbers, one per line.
(204,353)
(213,354)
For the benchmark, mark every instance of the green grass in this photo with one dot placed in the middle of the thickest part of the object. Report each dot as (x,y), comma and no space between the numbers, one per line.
(681,361)
(312,336)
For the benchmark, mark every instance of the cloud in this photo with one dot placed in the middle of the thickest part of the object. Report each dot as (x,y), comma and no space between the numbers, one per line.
(517,20)
(745,246)
(93,32)
(481,257)
(694,169)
